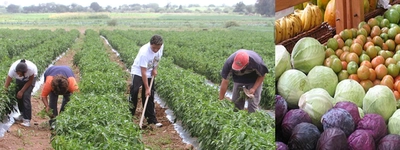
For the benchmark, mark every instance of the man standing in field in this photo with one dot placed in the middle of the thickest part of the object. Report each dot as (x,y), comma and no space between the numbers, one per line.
(58,80)
(143,68)
(25,74)
(247,70)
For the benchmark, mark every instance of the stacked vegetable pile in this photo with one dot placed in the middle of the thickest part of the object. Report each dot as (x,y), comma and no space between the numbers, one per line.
(342,95)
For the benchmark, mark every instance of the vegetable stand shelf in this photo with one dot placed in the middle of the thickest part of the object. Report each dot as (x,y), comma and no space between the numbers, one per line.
(321,32)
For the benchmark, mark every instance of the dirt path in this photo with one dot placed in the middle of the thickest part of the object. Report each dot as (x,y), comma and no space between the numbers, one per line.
(37,136)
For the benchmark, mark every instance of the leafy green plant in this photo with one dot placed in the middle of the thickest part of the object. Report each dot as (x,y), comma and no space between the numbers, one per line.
(97,117)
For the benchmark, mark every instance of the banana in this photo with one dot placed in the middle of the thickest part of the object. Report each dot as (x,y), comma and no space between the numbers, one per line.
(298,24)
(294,25)
(320,15)
(297,17)
(306,18)
(298,12)
(278,32)
(289,26)
(314,14)
(284,30)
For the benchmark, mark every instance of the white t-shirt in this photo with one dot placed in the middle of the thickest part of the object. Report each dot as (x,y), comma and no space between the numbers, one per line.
(32,70)
(146,58)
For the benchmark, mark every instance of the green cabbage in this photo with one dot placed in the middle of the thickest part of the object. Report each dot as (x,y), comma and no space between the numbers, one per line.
(380,100)
(323,77)
(394,123)
(291,85)
(349,90)
(316,102)
(282,60)
(307,53)
(361,112)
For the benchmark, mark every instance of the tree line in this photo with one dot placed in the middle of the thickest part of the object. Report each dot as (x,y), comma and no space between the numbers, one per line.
(262,7)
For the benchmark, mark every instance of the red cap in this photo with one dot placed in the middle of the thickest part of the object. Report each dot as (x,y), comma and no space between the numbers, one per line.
(240,61)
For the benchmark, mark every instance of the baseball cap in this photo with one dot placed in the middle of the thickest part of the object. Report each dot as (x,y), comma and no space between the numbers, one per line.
(240,61)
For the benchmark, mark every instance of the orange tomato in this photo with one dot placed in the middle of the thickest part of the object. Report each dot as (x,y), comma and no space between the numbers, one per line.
(343,56)
(381,71)
(372,74)
(377,60)
(366,84)
(396,85)
(396,95)
(339,52)
(363,72)
(366,63)
(366,45)
(387,80)
(344,65)
(352,57)
(354,77)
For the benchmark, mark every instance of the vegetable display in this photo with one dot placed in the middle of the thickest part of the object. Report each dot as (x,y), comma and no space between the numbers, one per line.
(359,72)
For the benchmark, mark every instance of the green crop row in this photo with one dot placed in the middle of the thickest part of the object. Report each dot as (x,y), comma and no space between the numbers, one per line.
(212,121)
(14,42)
(204,52)
(42,55)
(197,105)
(97,117)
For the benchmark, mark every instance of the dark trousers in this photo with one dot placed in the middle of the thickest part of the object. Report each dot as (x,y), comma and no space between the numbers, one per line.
(150,114)
(53,104)
(24,104)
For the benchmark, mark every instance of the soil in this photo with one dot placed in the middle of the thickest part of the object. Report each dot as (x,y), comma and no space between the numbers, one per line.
(37,136)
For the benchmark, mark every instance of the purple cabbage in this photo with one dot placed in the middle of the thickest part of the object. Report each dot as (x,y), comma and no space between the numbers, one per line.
(338,118)
(304,137)
(351,108)
(361,140)
(281,146)
(291,119)
(280,109)
(389,142)
(374,123)
(332,139)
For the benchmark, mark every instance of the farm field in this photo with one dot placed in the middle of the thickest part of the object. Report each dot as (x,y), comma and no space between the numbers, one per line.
(196,47)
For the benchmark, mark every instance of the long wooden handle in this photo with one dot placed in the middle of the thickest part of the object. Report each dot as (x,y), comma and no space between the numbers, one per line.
(145,104)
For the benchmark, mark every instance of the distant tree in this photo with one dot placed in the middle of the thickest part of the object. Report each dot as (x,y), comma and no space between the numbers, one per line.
(193,5)
(61,8)
(250,8)
(109,8)
(152,5)
(12,8)
(239,7)
(95,6)
(265,7)
(135,7)
(31,9)
(211,5)
(168,6)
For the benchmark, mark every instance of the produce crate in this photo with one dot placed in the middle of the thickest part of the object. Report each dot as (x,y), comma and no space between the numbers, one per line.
(322,33)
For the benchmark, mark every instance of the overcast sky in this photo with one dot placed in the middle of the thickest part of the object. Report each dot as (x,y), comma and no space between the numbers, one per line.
(115,3)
